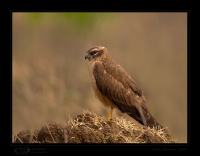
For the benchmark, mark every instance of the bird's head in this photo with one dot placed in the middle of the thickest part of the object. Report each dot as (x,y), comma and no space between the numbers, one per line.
(96,53)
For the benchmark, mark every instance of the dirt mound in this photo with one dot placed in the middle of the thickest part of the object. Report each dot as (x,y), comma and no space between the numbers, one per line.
(90,128)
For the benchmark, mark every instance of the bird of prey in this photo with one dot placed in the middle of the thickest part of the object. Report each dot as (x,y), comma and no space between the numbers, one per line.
(115,88)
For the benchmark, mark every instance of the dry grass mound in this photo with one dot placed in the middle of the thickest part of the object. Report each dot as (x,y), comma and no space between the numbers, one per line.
(91,128)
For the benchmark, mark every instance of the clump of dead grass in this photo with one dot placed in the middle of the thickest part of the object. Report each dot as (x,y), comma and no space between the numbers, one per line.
(92,128)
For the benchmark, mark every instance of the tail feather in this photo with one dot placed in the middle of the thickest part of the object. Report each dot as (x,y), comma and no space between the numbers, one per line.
(140,113)
(152,122)
(147,120)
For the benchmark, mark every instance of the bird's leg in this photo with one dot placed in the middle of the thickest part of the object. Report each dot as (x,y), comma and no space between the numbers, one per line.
(110,115)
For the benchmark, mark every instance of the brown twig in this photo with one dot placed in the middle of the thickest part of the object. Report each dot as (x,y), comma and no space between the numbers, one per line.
(50,133)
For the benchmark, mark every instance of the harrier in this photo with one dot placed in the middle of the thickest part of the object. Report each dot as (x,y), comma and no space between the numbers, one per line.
(116,89)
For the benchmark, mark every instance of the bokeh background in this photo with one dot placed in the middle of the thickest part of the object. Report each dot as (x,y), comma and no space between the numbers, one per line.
(50,80)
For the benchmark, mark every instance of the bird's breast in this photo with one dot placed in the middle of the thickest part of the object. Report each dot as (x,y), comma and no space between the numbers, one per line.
(105,101)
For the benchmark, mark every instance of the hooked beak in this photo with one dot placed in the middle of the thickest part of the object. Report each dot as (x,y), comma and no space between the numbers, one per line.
(87,56)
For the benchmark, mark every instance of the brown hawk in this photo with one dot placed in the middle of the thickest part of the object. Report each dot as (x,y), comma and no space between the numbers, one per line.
(116,89)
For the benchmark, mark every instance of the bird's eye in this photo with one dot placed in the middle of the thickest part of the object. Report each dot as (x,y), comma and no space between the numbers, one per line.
(94,52)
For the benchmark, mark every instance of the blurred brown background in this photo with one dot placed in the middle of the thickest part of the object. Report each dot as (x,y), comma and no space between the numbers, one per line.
(50,80)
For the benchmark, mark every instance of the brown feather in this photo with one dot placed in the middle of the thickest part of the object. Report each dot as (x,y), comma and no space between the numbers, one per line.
(115,88)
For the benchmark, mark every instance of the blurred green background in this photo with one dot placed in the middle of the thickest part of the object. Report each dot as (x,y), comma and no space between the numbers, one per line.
(50,79)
